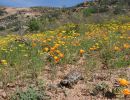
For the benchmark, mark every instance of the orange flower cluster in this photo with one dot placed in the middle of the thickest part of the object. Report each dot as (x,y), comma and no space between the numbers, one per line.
(126,92)
(54,52)
(123,82)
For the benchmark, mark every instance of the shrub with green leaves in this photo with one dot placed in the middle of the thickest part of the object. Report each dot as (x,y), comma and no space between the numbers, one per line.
(34,25)
(89,11)
(2,28)
(29,94)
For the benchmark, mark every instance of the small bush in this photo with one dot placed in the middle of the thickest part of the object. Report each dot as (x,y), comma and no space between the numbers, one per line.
(34,25)
(29,94)
(2,28)
(89,11)
(103,9)
(118,10)
(2,12)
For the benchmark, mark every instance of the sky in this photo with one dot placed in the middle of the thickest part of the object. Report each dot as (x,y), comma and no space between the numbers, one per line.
(30,3)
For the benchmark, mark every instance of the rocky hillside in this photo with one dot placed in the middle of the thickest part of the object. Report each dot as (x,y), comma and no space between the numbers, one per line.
(39,18)
(11,18)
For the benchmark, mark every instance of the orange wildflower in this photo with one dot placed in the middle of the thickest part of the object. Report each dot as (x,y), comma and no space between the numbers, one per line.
(123,82)
(61,55)
(81,51)
(126,92)
(126,46)
(56,59)
(53,49)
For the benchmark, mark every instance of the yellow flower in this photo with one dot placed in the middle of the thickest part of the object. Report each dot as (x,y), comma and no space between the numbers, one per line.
(96,44)
(56,45)
(46,49)
(123,82)
(91,48)
(126,92)
(4,62)
(44,41)
(49,39)
(58,51)
(116,48)
(121,37)
(56,59)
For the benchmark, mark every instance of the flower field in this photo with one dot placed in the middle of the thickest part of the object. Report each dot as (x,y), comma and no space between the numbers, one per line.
(102,46)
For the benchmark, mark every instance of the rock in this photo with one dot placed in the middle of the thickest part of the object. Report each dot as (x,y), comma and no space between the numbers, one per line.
(70,79)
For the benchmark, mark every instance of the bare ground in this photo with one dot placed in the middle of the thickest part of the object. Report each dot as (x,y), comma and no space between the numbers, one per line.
(80,91)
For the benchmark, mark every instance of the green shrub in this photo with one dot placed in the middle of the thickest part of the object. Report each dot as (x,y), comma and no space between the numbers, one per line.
(2,28)
(2,12)
(103,9)
(89,11)
(118,10)
(29,94)
(34,25)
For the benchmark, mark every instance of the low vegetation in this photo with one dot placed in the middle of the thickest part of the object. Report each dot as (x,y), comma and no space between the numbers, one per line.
(29,54)
(94,45)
